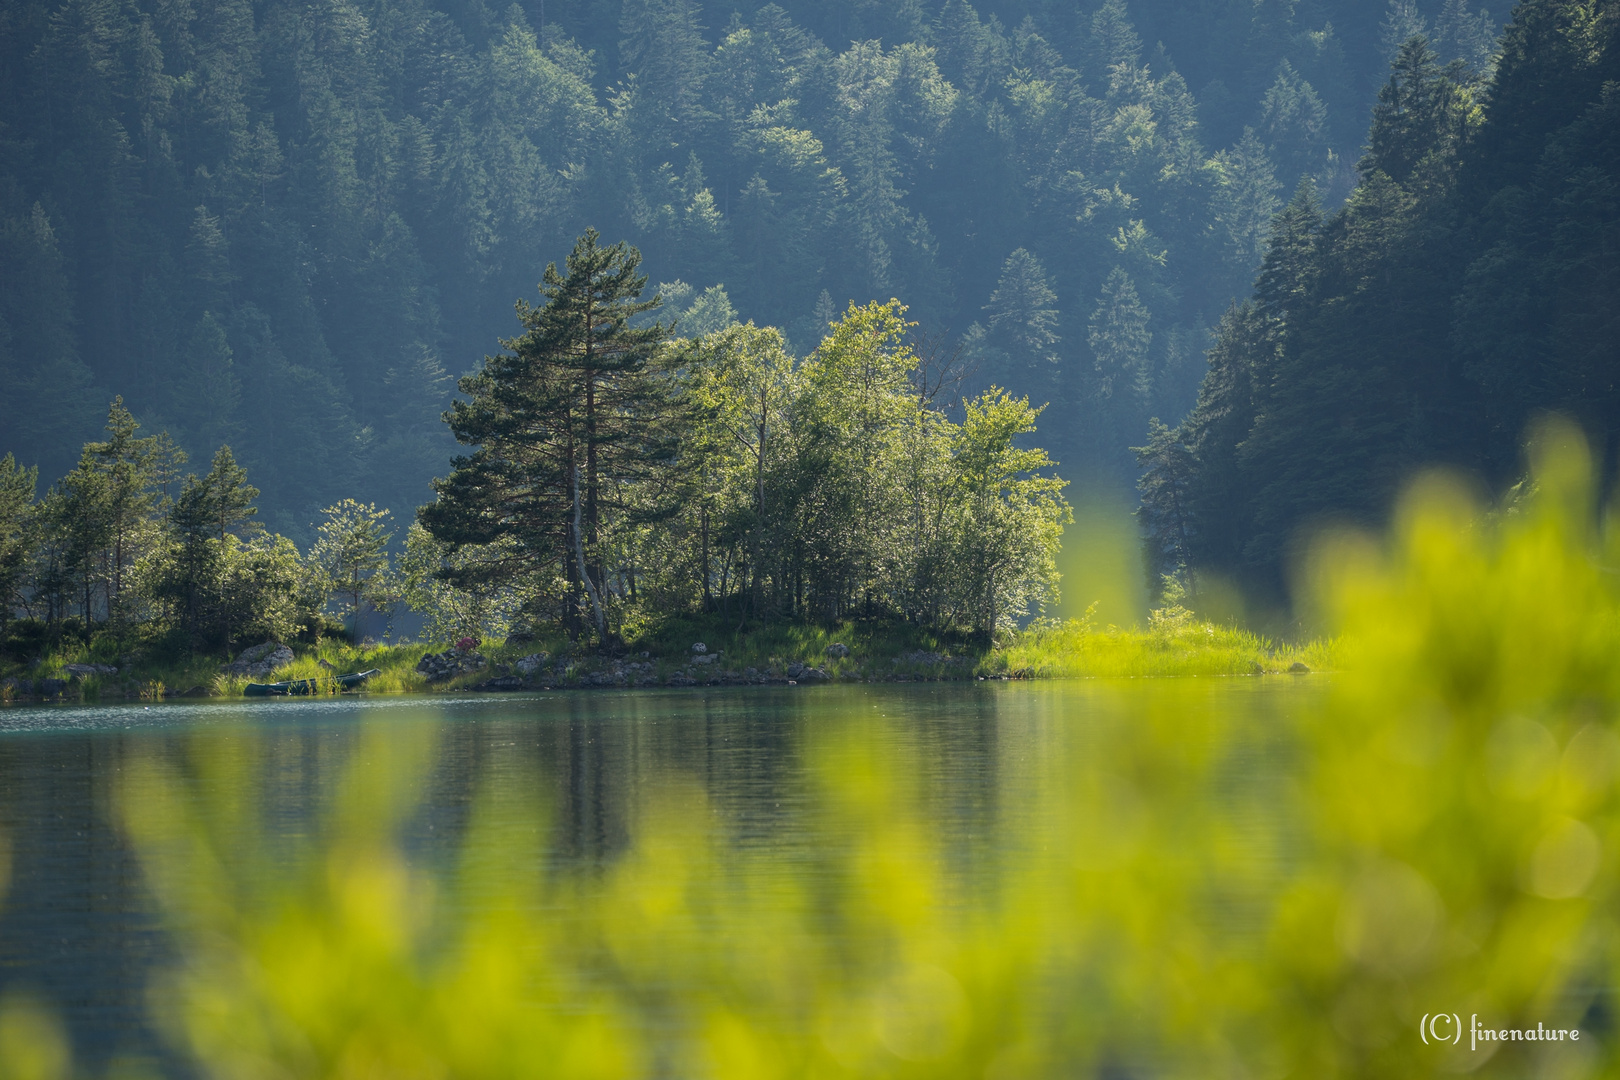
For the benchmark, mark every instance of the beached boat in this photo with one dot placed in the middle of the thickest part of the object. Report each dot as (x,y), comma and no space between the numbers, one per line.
(308,687)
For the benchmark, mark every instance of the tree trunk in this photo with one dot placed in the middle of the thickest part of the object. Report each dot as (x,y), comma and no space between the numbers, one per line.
(708,595)
(579,554)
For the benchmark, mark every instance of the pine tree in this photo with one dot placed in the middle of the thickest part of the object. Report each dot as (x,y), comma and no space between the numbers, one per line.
(1285,270)
(1243,202)
(1119,339)
(1113,40)
(17,487)
(575,407)
(1421,115)
(1220,500)
(1401,24)
(1294,123)
(662,41)
(1024,317)
(229,497)
(191,575)
(124,467)
(1460,34)
(1169,471)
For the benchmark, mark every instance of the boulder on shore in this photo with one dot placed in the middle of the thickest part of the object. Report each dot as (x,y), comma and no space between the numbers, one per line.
(528,665)
(438,667)
(259,661)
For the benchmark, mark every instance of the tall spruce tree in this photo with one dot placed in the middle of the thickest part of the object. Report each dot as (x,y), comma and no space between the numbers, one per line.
(573,408)
(1024,317)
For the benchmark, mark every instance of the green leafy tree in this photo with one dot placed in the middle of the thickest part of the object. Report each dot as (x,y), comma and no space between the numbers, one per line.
(1010,518)
(742,383)
(425,569)
(351,553)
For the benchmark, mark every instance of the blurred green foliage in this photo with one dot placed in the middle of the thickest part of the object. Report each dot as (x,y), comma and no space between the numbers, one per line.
(1437,834)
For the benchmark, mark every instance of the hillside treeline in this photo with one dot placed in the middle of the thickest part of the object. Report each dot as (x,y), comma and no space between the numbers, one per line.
(288,226)
(618,476)
(1469,283)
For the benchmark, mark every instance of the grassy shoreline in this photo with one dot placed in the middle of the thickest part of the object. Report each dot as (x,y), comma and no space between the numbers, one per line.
(1171,646)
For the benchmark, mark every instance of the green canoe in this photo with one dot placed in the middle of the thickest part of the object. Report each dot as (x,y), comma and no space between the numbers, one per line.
(307,687)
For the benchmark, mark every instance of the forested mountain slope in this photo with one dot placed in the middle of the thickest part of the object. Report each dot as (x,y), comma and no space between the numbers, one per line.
(1472,280)
(286,226)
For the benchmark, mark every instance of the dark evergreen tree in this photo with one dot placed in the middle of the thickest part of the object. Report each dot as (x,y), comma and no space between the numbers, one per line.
(17,533)
(1023,318)
(1168,473)
(574,407)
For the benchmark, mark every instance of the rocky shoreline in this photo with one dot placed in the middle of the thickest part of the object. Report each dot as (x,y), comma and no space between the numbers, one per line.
(541,671)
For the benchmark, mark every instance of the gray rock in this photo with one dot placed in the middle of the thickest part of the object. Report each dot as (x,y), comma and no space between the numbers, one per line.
(1298,668)
(813,675)
(259,661)
(85,671)
(794,669)
(528,665)
(258,652)
(699,647)
(838,650)
(52,687)
(448,664)
(680,678)
(706,659)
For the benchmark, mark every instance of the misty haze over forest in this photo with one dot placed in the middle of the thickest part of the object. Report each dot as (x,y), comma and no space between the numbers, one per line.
(289,227)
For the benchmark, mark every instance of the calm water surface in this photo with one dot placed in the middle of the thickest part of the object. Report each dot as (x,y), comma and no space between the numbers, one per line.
(80,930)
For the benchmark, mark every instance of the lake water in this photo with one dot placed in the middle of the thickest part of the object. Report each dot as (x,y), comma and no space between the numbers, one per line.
(1071,814)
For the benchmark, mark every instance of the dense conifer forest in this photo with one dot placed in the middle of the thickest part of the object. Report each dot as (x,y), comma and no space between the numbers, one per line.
(290,227)
(1470,282)
(1265,258)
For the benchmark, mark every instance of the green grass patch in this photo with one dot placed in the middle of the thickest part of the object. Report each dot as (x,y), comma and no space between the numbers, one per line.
(1173,645)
